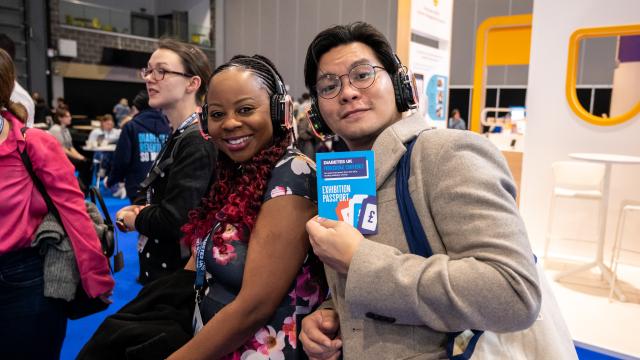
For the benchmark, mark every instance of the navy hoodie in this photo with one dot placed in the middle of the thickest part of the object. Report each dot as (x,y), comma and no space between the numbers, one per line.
(140,142)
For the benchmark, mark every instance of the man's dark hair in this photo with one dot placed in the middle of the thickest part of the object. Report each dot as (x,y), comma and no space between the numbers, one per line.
(8,45)
(342,35)
(141,101)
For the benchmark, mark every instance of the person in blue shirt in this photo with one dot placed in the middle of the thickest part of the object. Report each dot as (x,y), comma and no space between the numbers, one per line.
(140,142)
(121,109)
(456,121)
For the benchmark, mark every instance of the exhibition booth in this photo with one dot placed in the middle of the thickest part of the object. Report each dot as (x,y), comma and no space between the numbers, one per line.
(576,163)
(559,128)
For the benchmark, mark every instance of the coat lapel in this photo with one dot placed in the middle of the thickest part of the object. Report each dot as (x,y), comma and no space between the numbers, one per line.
(389,146)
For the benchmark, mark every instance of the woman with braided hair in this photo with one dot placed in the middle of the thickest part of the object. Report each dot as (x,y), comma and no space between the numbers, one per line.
(255,274)
(262,276)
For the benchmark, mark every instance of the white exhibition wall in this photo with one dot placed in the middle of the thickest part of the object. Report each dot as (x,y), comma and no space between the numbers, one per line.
(554,130)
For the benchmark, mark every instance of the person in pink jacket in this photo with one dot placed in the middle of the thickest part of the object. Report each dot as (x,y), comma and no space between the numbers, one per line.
(34,326)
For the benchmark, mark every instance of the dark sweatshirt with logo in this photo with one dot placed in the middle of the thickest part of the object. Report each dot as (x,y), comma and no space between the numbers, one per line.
(140,142)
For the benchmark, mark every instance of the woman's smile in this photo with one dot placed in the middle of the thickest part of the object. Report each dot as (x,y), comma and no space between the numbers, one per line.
(237,143)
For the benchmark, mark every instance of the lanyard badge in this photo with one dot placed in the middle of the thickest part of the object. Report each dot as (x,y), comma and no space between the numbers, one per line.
(201,246)
(201,271)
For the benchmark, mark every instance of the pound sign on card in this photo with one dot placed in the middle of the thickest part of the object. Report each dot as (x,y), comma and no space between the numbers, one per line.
(369,218)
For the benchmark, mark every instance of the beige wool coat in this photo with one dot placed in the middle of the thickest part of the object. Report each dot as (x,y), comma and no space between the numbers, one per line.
(396,305)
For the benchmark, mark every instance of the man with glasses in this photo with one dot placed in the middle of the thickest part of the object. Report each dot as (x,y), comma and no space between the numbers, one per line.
(386,302)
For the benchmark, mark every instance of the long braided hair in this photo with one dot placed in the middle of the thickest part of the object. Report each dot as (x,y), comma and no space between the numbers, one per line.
(235,198)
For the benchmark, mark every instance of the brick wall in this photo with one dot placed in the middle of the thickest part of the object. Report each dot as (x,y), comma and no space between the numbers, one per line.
(90,43)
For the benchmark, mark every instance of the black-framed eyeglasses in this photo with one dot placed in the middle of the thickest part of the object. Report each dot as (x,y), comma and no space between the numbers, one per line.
(361,77)
(158,74)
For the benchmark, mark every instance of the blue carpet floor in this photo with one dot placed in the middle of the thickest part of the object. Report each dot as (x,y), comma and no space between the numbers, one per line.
(79,331)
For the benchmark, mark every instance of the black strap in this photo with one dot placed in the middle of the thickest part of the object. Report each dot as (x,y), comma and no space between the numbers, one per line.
(158,169)
(95,195)
(108,248)
(36,181)
(418,241)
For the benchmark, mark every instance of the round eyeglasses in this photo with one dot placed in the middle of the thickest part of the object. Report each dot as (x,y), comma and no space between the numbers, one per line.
(158,74)
(361,77)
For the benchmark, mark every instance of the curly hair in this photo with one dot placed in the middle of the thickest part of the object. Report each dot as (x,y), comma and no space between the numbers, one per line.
(236,196)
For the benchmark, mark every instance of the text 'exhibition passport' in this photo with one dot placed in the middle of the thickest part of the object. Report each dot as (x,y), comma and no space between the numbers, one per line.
(347,189)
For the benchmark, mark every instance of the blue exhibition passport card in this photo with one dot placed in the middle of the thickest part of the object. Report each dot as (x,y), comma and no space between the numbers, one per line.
(347,189)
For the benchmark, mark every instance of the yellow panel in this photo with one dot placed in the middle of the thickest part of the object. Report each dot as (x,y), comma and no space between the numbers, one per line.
(509,46)
(572,73)
(482,37)
(403,33)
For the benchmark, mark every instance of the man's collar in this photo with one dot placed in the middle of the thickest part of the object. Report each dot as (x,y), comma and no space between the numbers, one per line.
(389,146)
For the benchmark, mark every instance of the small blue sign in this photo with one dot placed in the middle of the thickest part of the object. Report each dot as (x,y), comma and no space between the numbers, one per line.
(348,168)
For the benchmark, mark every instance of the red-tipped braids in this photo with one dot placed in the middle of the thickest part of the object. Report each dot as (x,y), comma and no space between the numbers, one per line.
(236,196)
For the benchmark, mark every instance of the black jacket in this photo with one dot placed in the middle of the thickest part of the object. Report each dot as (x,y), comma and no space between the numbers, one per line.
(184,183)
(153,325)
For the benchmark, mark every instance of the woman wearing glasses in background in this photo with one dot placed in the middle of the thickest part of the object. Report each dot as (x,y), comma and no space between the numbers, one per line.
(184,168)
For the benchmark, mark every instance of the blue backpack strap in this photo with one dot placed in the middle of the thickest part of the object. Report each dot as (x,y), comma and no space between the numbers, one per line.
(413,229)
(417,239)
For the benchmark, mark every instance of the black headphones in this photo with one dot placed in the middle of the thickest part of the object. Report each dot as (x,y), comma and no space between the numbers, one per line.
(281,105)
(404,88)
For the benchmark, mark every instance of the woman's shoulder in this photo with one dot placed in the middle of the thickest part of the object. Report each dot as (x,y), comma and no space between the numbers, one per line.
(42,146)
(193,135)
(40,136)
(293,152)
(193,141)
(295,162)
(55,128)
(294,174)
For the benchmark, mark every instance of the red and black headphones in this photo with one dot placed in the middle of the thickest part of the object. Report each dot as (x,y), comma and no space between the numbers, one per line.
(281,105)
(404,88)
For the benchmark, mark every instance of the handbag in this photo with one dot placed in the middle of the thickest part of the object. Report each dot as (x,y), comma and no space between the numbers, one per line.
(547,338)
(82,305)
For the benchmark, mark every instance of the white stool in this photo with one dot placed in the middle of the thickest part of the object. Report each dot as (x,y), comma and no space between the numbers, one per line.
(577,180)
(628,207)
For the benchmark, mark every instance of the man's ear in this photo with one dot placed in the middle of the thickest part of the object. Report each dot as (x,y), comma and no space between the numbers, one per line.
(194,84)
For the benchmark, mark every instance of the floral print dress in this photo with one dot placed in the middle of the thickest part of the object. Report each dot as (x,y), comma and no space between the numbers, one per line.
(294,174)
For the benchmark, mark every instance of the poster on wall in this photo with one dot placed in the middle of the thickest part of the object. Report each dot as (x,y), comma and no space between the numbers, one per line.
(430,56)
(431,68)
